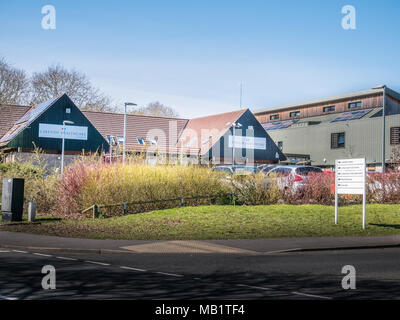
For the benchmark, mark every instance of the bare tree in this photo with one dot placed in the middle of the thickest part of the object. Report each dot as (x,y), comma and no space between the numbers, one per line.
(57,80)
(14,85)
(156,109)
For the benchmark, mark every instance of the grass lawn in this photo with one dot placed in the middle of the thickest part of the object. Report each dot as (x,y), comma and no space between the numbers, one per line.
(225,222)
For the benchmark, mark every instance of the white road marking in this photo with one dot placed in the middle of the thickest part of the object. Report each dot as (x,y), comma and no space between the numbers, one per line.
(134,269)
(66,258)
(42,254)
(170,274)
(99,263)
(253,287)
(1,251)
(19,251)
(310,295)
(7,298)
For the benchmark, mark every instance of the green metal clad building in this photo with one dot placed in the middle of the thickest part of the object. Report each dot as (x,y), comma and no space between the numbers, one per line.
(41,126)
(346,126)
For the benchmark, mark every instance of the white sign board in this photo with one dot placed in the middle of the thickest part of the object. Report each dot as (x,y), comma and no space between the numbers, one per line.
(56,131)
(248,142)
(350,178)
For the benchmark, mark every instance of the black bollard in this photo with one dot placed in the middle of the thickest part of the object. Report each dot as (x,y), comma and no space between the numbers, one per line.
(12,200)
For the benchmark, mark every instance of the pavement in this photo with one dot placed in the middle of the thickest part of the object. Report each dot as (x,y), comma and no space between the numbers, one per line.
(16,240)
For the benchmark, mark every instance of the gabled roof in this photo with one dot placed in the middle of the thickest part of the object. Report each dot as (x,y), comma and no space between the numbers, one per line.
(31,115)
(353,95)
(9,115)
(217,125)
(137,126)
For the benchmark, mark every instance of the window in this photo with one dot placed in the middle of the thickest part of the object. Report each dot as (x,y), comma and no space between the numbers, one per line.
(294,114)
(140,141)
(280,145)
(280,172)
(395,135)
(274,117)
(337,140)
(328,109)
(355,105)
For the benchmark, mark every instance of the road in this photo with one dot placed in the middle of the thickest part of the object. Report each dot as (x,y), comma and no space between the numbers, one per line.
(301,275)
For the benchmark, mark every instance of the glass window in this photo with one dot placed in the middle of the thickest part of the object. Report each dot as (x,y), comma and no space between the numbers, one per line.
(274,117)
(304,171)
(355,105)
(328,109)
(294,114)
(337,140)
(395,135)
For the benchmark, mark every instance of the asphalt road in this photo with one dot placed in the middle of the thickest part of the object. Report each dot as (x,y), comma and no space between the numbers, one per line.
(307,275)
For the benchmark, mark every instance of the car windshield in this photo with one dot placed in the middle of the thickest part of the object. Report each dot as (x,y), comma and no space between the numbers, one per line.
(224,169)
(247,169)
(305,171)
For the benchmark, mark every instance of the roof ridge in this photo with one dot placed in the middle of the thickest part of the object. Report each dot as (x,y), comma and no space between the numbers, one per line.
(221,114)
(131,114)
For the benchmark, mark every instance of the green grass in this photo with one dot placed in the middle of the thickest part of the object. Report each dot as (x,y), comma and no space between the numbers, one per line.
(226,222)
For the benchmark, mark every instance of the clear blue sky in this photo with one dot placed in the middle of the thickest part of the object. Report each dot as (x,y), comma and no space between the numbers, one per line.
(192,55)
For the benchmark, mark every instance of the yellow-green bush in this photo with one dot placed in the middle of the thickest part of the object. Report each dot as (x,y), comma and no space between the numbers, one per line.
(86,184)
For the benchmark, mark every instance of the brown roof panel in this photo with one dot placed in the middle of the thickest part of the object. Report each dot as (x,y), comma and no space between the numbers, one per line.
(202,133)
(9,115)
(165,130)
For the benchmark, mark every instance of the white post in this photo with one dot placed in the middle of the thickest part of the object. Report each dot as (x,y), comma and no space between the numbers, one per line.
(364,196)
(336,194)
(233,144)
(62,148)
(336,198)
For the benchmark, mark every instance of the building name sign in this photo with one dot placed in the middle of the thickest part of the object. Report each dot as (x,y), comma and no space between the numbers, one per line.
(56,131)
(248,142)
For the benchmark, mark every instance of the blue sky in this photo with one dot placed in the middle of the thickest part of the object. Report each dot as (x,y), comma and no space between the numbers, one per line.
(192,55)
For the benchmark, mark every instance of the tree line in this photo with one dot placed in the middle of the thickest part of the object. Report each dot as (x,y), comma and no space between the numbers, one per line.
(17,88)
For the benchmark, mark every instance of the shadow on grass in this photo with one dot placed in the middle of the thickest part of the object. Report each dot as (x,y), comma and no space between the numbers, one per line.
(26,222)
(393,226)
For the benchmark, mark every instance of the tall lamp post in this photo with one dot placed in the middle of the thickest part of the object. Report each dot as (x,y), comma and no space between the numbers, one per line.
(63,143)
(383,129)
(234,125)
(124,145)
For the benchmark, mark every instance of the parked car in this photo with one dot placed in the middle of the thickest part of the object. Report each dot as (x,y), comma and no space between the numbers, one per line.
(237,169)
(291,176)
(265,168)
(226,169)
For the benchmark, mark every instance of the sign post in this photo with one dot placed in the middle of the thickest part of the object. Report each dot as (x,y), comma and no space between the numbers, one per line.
(350,179)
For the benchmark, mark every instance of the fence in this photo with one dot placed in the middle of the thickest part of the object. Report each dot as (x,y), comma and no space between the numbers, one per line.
(124,208)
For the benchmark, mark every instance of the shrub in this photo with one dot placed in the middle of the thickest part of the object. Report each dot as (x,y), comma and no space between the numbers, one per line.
(86,184)
(255,189)
(38,187)
(384,187)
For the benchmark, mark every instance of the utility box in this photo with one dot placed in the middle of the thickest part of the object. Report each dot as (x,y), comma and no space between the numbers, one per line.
(12,200)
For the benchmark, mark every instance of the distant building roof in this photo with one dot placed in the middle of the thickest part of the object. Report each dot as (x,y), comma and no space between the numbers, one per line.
(193,135)
(373,91)
(166,130)
(9,115)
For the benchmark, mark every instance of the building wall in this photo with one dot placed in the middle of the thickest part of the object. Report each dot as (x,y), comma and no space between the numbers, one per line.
(55,115)
(362,139)
(51,161)
(373,101)
(220,151)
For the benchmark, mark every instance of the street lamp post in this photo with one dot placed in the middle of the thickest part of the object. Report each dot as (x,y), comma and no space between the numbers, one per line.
(63,143)
(234,125)
(124,145)
(384,129)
